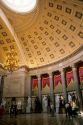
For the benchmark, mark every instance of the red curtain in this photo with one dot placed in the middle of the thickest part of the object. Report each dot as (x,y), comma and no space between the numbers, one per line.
(81,73)
(45,81)
(57,79)
(34,83)
(69,77)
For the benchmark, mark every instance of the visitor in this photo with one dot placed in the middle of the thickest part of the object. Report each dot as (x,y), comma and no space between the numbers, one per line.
(1,111)
(69,109)
(66,109)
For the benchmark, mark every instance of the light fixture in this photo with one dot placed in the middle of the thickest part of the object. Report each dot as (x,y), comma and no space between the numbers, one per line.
(11,62)
(20,6)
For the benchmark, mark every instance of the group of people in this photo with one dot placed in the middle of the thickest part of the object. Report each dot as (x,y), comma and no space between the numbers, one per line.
(13,110)
(59,104)
(70,108)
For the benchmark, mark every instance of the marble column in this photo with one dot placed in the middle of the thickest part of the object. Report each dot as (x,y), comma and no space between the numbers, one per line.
(77,86)
(51,88)
(30,87)
(39,87)
(64,84)
(1,88)
(29,93)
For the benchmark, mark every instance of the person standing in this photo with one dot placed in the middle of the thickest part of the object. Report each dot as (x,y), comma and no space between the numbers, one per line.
(66,109)
(69,111)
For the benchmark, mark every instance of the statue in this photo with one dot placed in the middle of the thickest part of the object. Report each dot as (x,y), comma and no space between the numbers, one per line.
(3,102)
(19,106)
(29,101)
(45,103)
(28,107)
(57,103)
(69,98)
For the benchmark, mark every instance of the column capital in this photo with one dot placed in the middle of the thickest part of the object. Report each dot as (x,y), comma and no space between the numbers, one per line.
(39,76)
(62,70)
(74,67)
(50,74)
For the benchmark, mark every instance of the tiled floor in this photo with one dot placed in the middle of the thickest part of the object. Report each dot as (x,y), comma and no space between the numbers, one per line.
(40,119)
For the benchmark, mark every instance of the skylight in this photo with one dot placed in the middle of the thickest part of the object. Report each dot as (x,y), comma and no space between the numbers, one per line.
(20,6)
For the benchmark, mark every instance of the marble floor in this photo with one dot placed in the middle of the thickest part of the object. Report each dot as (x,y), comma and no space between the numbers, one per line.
(40,119)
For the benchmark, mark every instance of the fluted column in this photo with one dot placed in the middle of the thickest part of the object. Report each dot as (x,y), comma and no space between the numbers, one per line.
(77,85)
(39,87)
(64,84)
(51,87)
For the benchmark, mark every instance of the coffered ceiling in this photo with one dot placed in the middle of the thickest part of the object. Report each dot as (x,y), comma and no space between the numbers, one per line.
(53,31)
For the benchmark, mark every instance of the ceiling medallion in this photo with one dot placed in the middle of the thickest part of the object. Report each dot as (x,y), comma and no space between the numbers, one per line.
(20,6)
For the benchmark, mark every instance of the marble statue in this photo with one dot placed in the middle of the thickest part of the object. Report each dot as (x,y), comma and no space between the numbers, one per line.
(45,103)
(57,103)
(69,98)
(28,107)
(19,105)
(3,102)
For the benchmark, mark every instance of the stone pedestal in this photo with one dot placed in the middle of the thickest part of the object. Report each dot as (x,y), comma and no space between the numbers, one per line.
(28,109)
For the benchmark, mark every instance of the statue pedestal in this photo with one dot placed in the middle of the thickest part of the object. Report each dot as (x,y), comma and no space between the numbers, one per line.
(28,109)
(57,108)
(44,109)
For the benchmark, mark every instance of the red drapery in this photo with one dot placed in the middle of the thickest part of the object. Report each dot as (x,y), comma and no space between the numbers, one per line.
(81,74)
(69,77)
(34,83)
(45,81)
(57,79)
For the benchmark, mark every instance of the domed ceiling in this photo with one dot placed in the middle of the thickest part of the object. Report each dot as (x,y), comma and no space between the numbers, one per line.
(53,31)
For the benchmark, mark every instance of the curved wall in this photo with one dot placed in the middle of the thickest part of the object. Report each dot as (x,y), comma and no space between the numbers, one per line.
(75,58)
